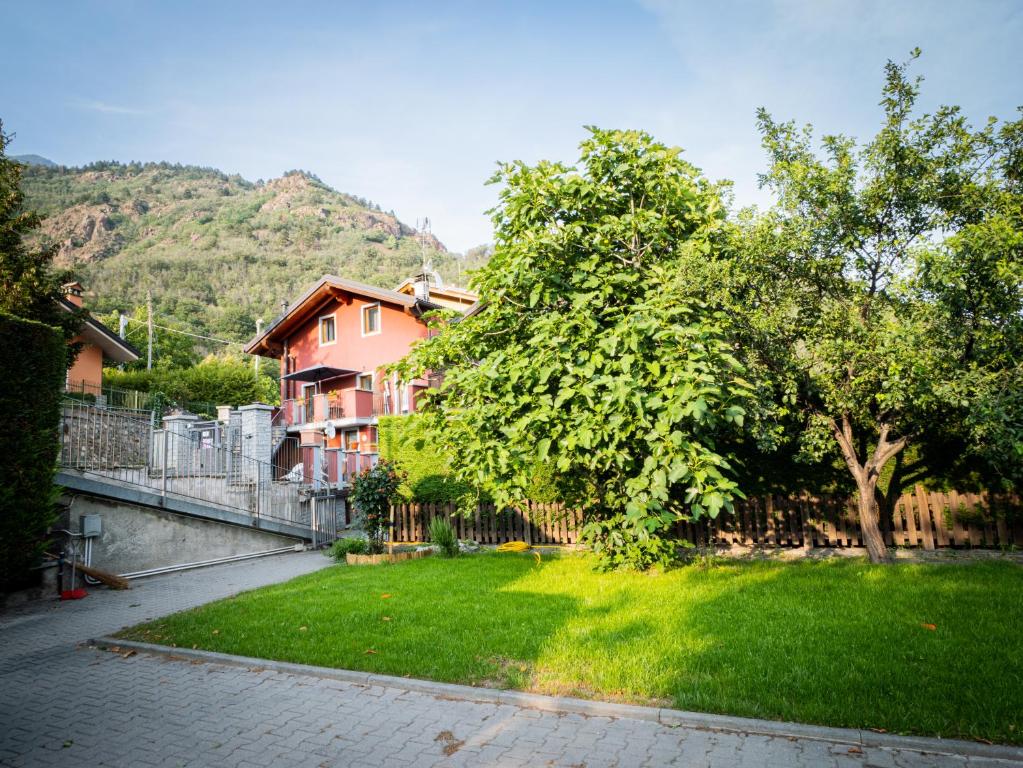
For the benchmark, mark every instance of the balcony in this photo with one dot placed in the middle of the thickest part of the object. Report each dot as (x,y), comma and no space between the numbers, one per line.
(338,405)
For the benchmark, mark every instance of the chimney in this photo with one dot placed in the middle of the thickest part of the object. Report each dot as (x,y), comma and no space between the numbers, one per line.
(73,293)
(284,306)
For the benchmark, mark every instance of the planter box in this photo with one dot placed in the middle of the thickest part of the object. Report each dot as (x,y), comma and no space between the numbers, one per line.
(397,557)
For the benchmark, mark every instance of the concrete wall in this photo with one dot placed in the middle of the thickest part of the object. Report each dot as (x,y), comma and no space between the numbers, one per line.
(137,538)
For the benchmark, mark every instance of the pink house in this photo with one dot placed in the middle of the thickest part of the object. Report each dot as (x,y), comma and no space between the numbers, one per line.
(334,343)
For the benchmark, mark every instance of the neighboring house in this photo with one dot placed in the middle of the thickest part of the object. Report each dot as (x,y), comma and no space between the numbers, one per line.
(437,293)
(98,342)
(334,343)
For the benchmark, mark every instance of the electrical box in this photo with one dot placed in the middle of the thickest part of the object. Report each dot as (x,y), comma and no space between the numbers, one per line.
(92,525)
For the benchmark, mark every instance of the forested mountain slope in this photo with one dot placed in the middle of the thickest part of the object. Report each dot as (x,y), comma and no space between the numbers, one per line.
(218,251)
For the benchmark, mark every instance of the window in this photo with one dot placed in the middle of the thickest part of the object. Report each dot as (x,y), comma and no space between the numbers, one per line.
(351,441)
(370,319)
(364,381)
(327,330)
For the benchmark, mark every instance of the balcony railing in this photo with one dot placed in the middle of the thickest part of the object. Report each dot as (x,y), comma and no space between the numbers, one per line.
(330,406)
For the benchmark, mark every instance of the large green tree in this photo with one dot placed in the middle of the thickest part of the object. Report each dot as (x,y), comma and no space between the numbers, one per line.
(29,285)
(589,354)
(883,294)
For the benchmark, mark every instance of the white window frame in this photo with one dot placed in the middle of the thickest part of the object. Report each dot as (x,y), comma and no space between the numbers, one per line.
(358,381)
(362,319)
(319,329)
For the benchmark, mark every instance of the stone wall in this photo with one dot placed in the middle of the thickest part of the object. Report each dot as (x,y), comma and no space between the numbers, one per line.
(97,438)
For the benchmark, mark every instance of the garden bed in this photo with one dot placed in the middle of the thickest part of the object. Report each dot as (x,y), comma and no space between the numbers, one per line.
(386,557)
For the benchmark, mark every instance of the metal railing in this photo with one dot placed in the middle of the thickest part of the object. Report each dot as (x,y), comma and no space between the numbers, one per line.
(124,447)
(112,397)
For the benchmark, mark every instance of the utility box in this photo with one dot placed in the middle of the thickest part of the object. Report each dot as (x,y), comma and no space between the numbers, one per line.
(92,525)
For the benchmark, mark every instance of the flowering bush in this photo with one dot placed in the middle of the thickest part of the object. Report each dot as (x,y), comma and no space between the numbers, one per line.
(372,494)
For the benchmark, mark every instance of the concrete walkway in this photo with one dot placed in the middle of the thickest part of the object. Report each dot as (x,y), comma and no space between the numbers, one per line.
(65,703)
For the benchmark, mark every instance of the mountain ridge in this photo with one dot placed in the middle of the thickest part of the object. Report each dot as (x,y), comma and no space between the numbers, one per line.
(216,250)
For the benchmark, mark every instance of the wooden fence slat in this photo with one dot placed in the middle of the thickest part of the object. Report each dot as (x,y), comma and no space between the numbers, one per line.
(806,540)
(912,538)
(1002,528)
(937,504)
(976,527)
(924,515)
(791,513)
(989,525)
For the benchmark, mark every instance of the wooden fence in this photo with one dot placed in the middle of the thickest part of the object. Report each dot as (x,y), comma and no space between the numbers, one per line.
(921,518)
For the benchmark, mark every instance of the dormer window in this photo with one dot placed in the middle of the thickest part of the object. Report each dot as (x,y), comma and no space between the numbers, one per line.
(370,319)
(328,330)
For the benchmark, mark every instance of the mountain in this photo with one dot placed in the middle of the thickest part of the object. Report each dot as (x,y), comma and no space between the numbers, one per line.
(218,251)
(34,160)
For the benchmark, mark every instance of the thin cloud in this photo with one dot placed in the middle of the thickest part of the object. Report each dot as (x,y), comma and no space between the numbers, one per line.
(94,105)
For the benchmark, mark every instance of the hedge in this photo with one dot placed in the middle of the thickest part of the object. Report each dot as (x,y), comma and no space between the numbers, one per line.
(404,441)
(31,379)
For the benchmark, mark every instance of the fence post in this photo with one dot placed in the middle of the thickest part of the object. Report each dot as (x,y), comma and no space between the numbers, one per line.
(163,484)
(312,519)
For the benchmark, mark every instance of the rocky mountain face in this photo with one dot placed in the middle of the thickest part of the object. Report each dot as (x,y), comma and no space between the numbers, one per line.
(218,251)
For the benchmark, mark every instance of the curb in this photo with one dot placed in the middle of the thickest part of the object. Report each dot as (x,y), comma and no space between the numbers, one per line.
(673,718)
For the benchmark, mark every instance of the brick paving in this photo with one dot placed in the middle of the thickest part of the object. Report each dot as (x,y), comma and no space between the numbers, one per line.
(67,704)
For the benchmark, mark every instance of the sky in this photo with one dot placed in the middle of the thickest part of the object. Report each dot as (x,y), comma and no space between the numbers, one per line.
(412,104)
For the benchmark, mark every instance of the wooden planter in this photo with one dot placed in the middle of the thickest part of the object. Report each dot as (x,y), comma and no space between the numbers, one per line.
(397,557)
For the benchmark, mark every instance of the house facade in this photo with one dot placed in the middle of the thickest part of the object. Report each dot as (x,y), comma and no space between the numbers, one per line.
(98,343)
(334,344)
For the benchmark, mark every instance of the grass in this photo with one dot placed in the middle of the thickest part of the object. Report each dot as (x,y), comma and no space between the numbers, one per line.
(925,649)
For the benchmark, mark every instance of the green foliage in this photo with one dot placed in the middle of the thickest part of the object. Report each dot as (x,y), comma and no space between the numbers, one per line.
(349,545)
(170,349)
(373,492)
(31,381)
(590,356)
(29,285)
(217,251)
(215,381)
(406,441)
(883,294)
(442,536)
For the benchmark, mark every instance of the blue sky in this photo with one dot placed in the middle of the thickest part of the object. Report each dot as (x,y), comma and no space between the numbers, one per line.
(411,104)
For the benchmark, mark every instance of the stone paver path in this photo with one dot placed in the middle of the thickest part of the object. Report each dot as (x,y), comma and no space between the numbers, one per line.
(62,703)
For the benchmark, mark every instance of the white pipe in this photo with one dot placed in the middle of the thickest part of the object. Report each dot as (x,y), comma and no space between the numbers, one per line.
(214,561)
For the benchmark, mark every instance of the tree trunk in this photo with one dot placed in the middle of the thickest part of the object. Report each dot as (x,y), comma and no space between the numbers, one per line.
(866,474)
(866,504)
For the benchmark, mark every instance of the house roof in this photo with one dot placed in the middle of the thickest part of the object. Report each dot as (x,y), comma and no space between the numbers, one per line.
(408,286)
(269,342)
(94,332)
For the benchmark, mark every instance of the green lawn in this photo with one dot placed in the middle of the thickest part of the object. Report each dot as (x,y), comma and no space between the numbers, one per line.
(836,642)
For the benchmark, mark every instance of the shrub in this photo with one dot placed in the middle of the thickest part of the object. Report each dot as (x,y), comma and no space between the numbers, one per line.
(348,546)
(373,491)
(31,380)
(406,441)
(442,535)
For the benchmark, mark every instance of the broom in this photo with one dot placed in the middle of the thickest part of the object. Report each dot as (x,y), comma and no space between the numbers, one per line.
(111,580)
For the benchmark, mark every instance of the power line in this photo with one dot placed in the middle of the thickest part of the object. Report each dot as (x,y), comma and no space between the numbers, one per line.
(187,333)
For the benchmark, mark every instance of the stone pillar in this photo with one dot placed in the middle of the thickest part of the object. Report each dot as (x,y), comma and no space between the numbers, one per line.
(256,440)
(224,413)
(179,446)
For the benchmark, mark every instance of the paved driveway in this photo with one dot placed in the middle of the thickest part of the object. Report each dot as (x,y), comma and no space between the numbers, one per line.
(64,703)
